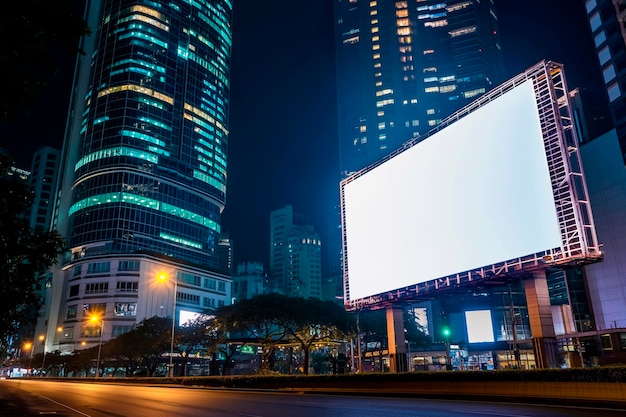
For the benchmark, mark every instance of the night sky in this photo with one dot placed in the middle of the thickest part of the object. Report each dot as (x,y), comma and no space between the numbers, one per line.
(283,130)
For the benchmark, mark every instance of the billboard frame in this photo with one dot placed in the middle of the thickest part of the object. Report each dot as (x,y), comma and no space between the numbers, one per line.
(579,243)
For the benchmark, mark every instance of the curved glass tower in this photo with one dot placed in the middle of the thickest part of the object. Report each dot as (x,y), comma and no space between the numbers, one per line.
(151,168)
(144,175)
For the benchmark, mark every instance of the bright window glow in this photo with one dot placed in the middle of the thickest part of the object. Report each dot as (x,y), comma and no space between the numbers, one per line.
(129,198)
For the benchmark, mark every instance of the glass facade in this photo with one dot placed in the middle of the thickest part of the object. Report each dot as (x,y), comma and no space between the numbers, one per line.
(150,171)
(403,66)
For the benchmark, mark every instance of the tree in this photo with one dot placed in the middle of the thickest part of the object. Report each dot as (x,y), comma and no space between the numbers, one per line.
(311,321)
(204,335)
(145,345)
(25,254)
(373,328)
(257,319)
(275,319)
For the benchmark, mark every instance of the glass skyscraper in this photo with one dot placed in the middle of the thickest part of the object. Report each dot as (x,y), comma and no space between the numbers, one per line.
(403,66)
(144,178)
(151,172)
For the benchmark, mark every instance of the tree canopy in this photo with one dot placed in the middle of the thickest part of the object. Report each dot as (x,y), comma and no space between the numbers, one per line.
(274,319)
(25,254)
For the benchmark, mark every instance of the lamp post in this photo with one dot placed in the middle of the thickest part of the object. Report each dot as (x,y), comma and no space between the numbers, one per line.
(32,348)
(164,278)
(42,339)
(95,319)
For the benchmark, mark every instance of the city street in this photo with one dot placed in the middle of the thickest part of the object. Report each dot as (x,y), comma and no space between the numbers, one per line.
(68,399)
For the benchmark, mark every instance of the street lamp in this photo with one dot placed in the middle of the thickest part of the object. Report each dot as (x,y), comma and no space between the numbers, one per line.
(42,339)
(164,278)
(31,346)
(95,319)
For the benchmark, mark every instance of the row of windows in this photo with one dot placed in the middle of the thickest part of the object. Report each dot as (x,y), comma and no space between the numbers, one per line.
(150,203)
(103,288)
(132,286)
(104,267)
(604,53)
(90,330)
(97,310)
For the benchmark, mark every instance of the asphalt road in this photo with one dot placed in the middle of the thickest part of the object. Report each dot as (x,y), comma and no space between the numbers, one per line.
(25,398)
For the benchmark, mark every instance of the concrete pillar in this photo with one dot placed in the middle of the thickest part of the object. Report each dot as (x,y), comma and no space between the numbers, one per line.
(395,339)
(541,324)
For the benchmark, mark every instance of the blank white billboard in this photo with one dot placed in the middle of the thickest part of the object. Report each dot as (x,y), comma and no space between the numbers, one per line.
(479,326)
(473,194)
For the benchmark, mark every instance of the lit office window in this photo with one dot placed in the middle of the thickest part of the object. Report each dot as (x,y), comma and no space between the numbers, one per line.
(591,4)
(462,31)
(447,88)
(402,22)
(595,21)
(604,55)
(608,74)
(613,92)
(600,38)
(438,24)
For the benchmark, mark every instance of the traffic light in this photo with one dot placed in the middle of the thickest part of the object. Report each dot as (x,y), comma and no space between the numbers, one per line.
(445,331)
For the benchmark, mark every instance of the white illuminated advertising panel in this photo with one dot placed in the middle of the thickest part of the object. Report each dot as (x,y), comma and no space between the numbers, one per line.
(476,193)
(479,326)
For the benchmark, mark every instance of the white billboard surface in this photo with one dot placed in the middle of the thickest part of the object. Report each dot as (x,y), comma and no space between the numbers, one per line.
(476,193)
(479,326)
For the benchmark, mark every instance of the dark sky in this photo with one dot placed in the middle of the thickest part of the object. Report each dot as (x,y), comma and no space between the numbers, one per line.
(283,140)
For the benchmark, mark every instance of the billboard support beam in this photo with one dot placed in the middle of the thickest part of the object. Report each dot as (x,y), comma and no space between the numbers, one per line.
(395,339)
(541,323)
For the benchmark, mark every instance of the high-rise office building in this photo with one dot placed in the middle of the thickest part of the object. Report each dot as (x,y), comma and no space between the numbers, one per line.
(144,174)
(43,180)
(604,159)
(295,255)
(248,280)
(403,66)
(607,19)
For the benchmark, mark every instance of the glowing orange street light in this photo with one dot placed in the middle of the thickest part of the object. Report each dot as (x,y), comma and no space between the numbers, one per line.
(162,278)
(31,346)
(42,339)
(95,319)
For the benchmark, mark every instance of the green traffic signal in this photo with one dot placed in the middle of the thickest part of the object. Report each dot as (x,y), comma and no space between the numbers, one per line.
(446,331)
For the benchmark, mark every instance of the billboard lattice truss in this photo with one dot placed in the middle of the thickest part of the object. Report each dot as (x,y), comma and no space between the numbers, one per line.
(579,244)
